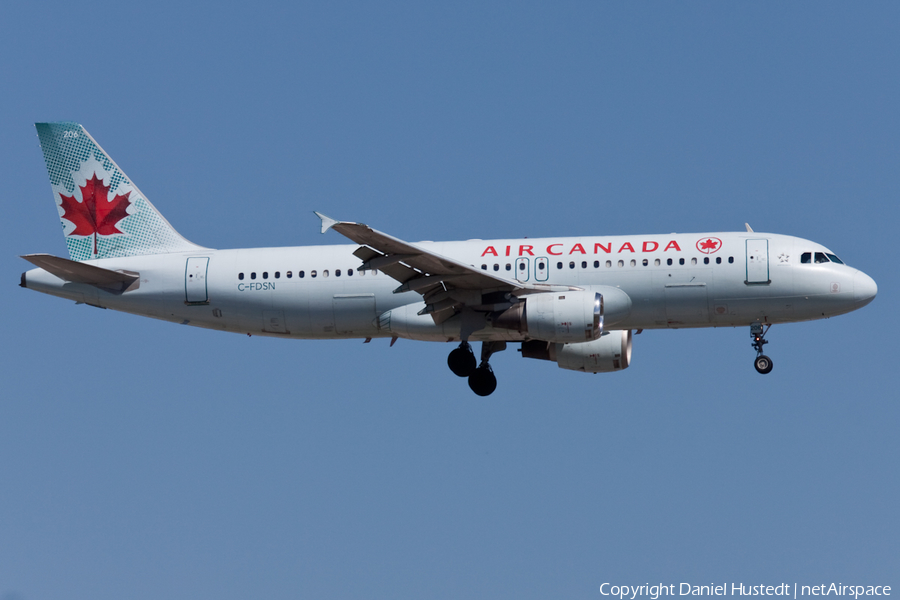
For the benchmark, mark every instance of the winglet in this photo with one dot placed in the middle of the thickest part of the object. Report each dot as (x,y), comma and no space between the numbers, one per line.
(747,225)
(327,222)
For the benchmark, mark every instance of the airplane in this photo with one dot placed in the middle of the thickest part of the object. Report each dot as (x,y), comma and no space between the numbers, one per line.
(575,301)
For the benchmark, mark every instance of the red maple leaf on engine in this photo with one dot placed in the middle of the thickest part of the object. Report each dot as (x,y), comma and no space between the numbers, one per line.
(96,214)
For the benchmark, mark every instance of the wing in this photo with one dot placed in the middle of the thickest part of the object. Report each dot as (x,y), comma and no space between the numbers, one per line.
(446,284)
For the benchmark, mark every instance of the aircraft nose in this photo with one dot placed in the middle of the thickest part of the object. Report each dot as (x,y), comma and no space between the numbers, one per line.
(864,288)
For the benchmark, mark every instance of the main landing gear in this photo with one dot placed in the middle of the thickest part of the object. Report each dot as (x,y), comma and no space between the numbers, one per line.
(462,360)
(762,363)
(481,378)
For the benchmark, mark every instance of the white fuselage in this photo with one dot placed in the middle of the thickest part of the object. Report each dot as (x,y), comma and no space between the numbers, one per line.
(316,292)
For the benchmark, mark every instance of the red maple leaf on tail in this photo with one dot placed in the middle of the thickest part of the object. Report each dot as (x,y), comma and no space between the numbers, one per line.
(96,214)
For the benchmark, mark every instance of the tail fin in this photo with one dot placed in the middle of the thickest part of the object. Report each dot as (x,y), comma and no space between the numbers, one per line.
(103,214)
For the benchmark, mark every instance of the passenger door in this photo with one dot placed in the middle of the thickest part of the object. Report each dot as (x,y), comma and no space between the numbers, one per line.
(195,290)
(758,262)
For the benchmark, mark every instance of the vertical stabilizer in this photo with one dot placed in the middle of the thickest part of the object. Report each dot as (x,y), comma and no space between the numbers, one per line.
(103,214)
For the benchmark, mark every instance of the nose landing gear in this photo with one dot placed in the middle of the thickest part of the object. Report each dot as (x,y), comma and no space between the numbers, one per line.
(762,363)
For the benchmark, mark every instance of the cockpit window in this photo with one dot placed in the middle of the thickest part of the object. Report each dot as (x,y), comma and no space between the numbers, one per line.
(821,258)
(806,258)
(834,258)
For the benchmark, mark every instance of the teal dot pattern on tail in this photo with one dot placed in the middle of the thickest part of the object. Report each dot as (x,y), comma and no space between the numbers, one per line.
(73,157)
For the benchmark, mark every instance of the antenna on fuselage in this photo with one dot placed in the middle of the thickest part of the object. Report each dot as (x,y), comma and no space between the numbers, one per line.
(749,229)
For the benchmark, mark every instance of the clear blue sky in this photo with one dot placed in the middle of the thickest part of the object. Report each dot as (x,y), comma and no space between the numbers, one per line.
(140,459)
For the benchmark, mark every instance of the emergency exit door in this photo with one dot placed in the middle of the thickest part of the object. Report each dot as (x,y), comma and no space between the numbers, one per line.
(195,291)
(541,268)
(522,269)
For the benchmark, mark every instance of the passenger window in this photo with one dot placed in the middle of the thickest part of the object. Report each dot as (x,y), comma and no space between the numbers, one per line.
(349,272)
(277,274)
(596,264)
(680,261)
(834,258)
(656,263)
(509,266)
(559,265)
(541,265)
(265,274)
(821,258)
(705,260)
(646,262)
(621,263)
(806,258)
(718,260)
(288,274)
(633,263)
(301,274)
(584,264)
(608,264)
(669,262)
(484,267)
(496,267)
(572,264)
(241,276)
(521,266)
(337,273)
(693,261)
(253,275)
(730,259)
(312,274)
(325,273)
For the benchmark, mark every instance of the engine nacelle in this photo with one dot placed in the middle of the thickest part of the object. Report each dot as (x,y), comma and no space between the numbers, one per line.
(556,317)
(616,304)
(612,352)
(406,322)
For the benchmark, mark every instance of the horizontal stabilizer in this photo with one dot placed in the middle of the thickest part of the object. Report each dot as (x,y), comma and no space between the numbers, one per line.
(116,282)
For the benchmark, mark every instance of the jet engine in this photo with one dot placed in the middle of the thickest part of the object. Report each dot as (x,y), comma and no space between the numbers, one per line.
(556,317)
(566,316)
(612,352)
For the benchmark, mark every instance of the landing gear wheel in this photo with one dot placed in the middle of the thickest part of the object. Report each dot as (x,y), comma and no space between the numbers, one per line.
(763,364)
(462,361)
(482,381)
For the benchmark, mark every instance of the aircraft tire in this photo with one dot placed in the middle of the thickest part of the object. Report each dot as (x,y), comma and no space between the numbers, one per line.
(763,364)
(462,361)
(483,381)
